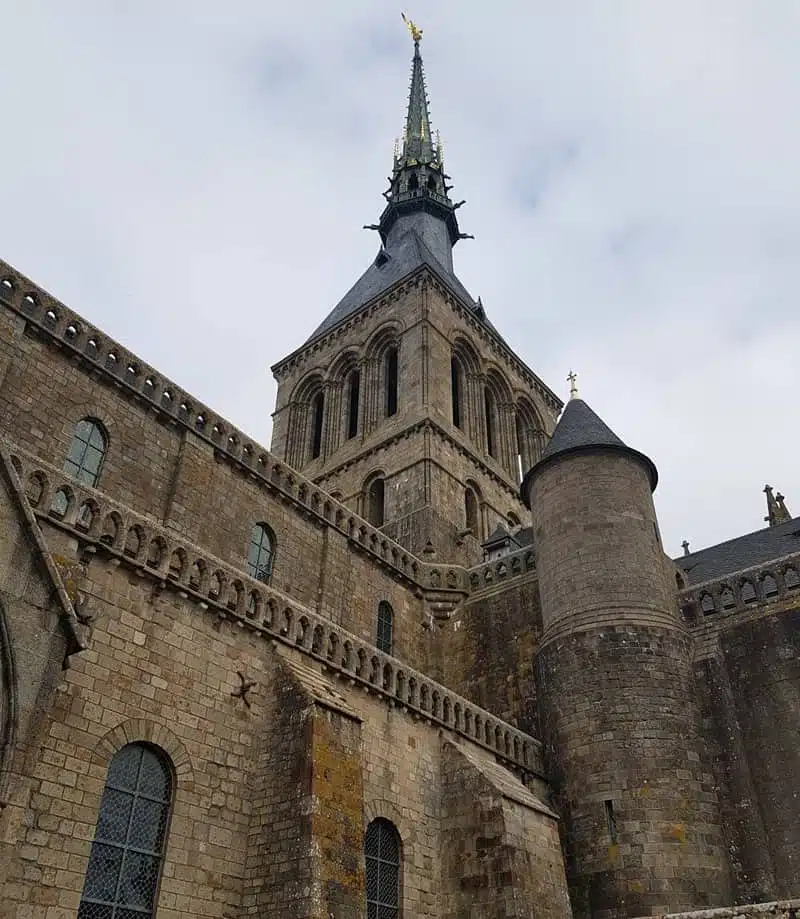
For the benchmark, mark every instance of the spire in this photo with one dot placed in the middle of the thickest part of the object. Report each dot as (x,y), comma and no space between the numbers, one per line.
(418,194)
(418,143)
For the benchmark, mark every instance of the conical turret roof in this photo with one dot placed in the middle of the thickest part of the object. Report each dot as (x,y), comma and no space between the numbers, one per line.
(581,430)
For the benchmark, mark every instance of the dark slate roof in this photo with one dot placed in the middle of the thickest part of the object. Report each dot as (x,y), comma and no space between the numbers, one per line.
(524,536)
(406,255)
(742,552)
(580,429)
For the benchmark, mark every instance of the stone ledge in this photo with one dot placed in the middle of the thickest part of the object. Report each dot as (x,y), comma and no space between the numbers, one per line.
(780,909)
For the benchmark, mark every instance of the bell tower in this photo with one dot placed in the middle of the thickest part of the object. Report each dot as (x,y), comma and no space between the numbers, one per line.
(406,403)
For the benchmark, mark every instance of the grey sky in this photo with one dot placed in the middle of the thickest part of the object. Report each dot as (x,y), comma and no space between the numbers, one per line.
(193,176)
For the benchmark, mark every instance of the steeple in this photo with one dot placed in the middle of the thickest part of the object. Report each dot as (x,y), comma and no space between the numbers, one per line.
(418,144)
(418,194)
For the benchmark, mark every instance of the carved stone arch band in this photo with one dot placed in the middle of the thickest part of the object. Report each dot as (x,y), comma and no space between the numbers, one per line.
(91,410)
(375,808)
(140,729)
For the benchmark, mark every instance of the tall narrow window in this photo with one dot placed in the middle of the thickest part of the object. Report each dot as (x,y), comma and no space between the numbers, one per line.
(455,389)
(382,857)
(471,511)
(353,392)
(391,382)
(261,553)
(375,502)
(128,848)
(317,412)
(86,452)
(385,627)
(491,422)
(521,451)
(611,822)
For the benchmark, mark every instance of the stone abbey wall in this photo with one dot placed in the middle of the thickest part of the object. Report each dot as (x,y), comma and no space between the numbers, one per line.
(148,571)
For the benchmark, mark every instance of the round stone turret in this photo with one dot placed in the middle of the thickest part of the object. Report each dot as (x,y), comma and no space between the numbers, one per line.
(616,697)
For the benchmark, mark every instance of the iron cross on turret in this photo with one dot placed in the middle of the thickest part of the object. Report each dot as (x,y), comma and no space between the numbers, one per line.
(572,379)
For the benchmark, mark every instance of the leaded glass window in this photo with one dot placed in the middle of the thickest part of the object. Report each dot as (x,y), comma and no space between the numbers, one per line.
(261,553)
(128,848)
(86,452)
(382,857)
(385,626)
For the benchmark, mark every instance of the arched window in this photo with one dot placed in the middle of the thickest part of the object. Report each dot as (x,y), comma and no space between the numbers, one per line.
(376,495)
(317,413)
(353,392)
(456,386)
(385,627)
(382,857)
(86,452)
(390,371)
(471,511)
(491,421)
(129,841)
(261,553)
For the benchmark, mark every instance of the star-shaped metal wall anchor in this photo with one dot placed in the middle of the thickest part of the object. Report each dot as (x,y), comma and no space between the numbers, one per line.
(244,689)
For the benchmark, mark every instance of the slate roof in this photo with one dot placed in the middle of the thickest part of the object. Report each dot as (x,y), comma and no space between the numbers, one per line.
(407,254)
(580,429)
(741,552)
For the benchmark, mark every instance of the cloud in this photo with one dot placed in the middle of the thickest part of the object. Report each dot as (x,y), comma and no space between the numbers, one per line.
(193,180)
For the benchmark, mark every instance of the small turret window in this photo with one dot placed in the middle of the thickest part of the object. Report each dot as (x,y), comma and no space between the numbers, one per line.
(413,182)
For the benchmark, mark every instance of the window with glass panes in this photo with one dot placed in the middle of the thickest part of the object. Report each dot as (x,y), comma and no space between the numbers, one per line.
(382,858)
(86,452)
(259,557)
(385,625)
(128,848)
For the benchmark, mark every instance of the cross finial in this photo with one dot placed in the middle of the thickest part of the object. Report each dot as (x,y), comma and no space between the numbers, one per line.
(685,546)
(572,379)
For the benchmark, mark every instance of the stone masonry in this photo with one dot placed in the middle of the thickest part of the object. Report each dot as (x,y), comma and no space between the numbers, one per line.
(373,718)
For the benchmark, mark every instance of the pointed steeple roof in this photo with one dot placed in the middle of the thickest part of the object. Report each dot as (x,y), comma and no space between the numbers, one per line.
(418,226)
(581,430)
(418,184)
(417,142)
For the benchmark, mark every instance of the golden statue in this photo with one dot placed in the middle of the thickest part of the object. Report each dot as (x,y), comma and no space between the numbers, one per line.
(416,32)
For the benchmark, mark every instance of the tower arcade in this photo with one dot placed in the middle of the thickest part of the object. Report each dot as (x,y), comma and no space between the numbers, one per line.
(405,402)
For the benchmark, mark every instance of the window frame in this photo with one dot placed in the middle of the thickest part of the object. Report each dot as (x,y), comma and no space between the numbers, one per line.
(380,907)
(115,905)
(384,623)
(253,569)
(78,470)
